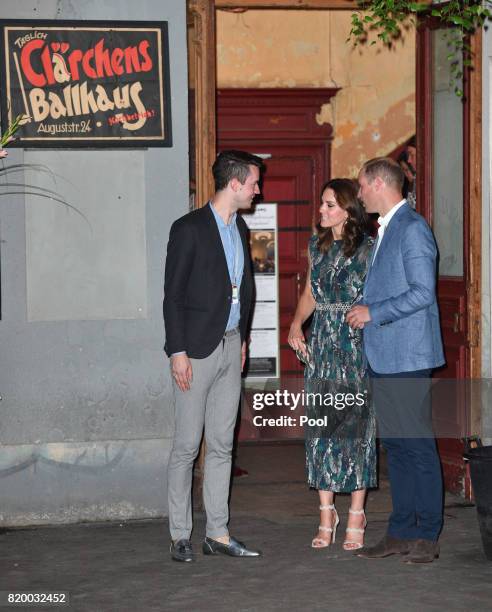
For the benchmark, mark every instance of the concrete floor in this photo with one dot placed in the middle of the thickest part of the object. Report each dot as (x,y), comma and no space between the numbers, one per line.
(122,567)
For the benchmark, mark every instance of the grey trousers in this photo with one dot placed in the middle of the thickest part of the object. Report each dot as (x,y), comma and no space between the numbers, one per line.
(211,403)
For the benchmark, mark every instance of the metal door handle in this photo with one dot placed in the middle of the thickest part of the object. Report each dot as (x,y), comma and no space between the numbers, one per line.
(456,325)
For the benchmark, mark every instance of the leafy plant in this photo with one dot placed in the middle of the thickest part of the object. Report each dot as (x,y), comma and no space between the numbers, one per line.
(15,188)
(9,133)
(389,17)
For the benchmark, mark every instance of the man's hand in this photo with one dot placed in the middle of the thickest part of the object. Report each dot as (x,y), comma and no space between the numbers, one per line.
(358,316)
(182,371)
(244,349)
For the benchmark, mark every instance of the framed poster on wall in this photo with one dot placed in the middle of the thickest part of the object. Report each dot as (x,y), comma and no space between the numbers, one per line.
(86,83)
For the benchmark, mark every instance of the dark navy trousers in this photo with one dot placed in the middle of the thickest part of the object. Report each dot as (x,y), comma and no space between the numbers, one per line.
(404,415)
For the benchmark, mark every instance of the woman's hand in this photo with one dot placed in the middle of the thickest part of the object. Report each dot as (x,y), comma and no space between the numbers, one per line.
(304,310)
(296,338)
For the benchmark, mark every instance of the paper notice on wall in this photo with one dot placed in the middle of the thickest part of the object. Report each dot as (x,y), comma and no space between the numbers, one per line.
(266,288)
(264,346)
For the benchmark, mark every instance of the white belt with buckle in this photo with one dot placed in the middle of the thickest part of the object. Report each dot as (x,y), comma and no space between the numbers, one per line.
(334,306)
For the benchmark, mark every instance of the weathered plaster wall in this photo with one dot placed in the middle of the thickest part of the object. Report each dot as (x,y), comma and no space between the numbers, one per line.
(375,110)
(86,412)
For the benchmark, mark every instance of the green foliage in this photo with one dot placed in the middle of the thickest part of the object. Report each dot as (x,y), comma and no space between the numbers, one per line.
(389,17)
(9,133)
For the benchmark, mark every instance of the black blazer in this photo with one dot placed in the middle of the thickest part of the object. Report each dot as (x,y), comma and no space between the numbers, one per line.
(197,286)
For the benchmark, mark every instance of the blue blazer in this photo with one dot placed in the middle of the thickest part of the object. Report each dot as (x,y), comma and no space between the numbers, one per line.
(400,289)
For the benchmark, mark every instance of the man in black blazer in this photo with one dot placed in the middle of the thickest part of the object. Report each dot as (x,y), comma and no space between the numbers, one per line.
(208,291)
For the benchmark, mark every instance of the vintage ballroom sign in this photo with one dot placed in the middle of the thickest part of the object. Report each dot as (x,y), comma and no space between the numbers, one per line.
(86,83)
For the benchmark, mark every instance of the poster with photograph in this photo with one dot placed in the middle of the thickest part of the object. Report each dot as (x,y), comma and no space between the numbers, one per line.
(86,83)
(264,346)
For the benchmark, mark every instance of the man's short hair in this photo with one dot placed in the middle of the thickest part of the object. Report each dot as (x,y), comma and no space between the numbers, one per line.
(387,169)
(233,164)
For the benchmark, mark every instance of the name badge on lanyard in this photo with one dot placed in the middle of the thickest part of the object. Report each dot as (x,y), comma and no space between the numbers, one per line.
(235,294)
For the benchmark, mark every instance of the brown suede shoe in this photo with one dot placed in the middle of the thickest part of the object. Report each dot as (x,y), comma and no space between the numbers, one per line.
(388,546)
(422,551)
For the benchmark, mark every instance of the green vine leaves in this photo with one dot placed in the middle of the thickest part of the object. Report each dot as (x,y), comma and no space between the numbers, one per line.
(459,19)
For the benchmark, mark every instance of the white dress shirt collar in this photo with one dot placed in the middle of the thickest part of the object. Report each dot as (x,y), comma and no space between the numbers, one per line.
(384,221)
(383,224)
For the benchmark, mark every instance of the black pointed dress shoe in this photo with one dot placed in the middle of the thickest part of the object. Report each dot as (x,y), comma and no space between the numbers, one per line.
(233,549)
(181,551)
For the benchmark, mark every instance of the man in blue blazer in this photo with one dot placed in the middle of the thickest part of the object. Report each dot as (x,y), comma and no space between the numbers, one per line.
(402,343)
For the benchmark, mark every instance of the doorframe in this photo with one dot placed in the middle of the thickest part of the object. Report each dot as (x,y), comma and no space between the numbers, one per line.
(472,226)
(288,4)
(204,52)
(475,220)
(203,49)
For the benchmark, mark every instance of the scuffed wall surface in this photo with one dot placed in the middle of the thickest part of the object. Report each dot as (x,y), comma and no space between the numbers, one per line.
(70,482)
(375,110)
(86,416)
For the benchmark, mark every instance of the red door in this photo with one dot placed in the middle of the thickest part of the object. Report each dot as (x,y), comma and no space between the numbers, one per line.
(281,125)
(289,182)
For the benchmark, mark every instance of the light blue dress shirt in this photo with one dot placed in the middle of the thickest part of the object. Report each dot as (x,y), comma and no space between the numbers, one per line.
(233,249)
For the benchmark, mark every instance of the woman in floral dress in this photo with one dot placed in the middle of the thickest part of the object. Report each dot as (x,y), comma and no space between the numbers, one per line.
(340,453)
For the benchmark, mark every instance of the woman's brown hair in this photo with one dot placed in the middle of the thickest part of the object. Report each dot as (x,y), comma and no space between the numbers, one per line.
(356,225)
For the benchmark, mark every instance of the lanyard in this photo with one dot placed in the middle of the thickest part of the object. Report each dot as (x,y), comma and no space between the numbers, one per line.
(235,239)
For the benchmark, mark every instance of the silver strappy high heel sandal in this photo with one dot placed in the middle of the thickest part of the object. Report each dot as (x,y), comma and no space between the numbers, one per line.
(324,542)
(352,544)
